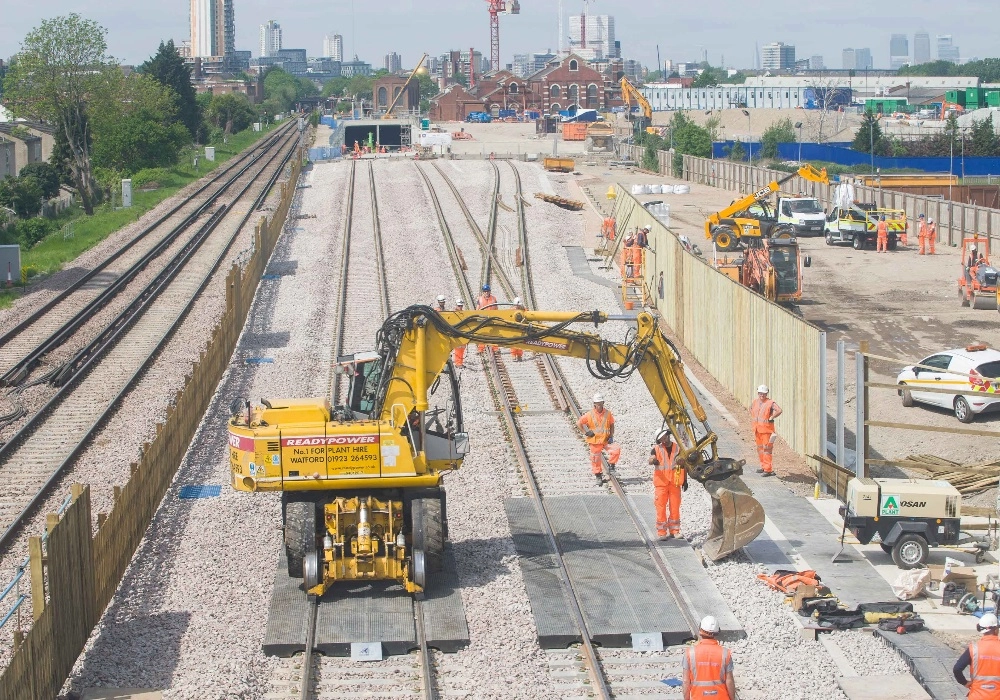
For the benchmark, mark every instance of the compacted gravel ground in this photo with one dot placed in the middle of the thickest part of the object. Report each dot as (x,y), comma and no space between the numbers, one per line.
(190,615)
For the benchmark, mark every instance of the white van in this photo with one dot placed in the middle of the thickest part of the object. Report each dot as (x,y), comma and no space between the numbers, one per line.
(973,368)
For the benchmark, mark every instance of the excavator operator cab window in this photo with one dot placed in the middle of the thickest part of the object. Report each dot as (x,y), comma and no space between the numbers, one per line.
(364,372)
(786,265)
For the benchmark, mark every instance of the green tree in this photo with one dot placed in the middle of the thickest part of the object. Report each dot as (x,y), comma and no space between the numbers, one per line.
(710,77)
(46,175)
(690,138)
(870,135)
(231,112)
(360,87)
(462,79)
(52,79)
(335,87)
(983,139)
(168,68)
(135,123)
(782,131)
(22,194)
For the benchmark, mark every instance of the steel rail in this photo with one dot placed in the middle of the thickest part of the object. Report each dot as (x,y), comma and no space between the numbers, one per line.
(379,252)
(560,385)
(19,371)
(333,383)
(34,423)
(305,690)
(597,676)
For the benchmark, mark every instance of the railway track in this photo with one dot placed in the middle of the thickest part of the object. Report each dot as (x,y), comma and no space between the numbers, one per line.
(25,345)
(538,412)
(312,675)
(35,457)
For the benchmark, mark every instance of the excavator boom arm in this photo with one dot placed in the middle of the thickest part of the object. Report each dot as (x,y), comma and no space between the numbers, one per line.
(631,92)
(416,343)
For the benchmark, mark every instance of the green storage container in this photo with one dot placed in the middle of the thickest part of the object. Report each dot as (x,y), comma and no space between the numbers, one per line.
(993,98)
(973,98)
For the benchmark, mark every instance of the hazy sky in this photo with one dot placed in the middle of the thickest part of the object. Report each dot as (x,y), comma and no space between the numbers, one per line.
(727,28)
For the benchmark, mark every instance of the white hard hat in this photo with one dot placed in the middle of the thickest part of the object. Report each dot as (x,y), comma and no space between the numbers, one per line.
(762,389)
(987,622)
(930,221)
(663,433)
(441,298)
(517,301)
(459,302)
(710,624)
(598,398)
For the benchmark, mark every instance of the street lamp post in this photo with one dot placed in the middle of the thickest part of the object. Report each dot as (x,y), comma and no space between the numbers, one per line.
(798,125)
(749,138)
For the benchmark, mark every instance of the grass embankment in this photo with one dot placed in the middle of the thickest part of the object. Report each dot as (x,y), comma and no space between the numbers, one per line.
(78,233)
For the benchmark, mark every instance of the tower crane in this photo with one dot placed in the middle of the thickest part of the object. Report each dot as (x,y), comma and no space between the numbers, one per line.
(507,7)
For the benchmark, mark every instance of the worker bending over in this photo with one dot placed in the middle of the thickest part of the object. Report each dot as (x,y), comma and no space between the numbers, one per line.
(517,354)
(707,666)
(882,228)
(983,656)
(763,411)
(598,425)
(669,479)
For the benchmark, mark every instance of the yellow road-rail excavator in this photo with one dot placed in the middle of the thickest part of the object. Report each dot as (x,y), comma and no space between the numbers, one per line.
(751,219)
(361,483)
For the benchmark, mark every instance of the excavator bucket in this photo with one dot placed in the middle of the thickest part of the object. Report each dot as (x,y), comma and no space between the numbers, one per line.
(737,517)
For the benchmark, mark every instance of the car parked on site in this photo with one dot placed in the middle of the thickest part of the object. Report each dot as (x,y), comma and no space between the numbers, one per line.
(974,368)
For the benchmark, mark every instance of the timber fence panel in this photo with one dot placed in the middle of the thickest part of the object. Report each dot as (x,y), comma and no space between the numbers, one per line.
(737,336)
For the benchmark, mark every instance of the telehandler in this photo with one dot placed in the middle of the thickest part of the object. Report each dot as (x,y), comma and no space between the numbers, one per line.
(361,483)
(751,219)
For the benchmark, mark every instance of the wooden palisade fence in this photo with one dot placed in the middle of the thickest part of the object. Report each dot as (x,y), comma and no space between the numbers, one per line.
(84,569)
(742,339)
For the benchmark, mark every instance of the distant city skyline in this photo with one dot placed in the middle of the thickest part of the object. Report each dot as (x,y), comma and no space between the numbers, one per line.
(435,26)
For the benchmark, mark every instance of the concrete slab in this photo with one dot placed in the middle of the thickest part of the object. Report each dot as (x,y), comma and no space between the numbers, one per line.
(444,613)
(620,590)
(380,611)
(702,594)
(881,688)
(121,694)
(287,615)
(553,621)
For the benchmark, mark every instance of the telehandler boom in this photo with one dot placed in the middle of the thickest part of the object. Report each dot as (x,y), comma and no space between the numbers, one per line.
(728,227)
(361,482)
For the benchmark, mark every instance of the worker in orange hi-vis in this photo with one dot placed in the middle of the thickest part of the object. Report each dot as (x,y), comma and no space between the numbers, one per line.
(922,233)
(882,229)
(517,354)
(486,302)
(902,239)
(440,303)
(763,411)
(931,235)
(458,354)
(598,425)
(669,479)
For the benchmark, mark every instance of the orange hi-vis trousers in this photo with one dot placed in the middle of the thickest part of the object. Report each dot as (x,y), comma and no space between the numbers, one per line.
(458,356)
(765,447)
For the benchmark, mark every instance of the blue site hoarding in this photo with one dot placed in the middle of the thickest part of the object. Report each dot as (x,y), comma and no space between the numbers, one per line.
(842,154)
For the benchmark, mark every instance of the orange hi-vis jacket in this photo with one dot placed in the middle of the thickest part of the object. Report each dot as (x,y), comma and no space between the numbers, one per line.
(667,473)
(600,424)
(761,412)
(985,667)
(487,301)
(882,229)
(705,667)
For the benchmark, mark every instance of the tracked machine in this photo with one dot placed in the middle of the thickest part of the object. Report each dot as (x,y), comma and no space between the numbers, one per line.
(772,269)
(361,483)
(977,285)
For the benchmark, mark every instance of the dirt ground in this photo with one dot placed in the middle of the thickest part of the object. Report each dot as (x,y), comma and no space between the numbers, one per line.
(905,305)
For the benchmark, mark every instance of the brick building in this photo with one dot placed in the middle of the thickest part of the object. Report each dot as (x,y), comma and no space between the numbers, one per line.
(561,85)
(387,88)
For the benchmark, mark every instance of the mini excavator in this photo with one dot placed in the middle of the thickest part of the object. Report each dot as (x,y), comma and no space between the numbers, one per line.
(361,483)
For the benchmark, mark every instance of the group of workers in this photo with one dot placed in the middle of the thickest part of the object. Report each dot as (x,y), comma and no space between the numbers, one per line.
(926,235)
(486,300)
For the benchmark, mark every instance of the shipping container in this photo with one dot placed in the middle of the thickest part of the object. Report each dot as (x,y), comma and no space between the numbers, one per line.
(574,131)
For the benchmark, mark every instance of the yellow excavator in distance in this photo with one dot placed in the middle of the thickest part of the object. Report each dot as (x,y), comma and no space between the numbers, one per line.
(362,497)
(736,223)
(629,93)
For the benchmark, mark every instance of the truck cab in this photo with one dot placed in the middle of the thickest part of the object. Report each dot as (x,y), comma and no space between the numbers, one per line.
(858,225)
(804,214)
